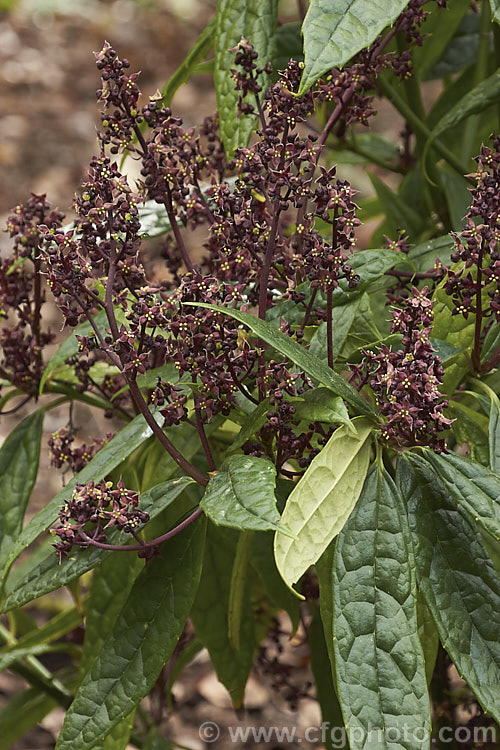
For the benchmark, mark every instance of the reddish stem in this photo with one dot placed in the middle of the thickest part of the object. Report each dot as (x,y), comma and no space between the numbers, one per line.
(145,545)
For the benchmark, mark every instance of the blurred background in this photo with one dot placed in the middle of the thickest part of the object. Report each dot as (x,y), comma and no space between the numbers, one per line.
(48,79)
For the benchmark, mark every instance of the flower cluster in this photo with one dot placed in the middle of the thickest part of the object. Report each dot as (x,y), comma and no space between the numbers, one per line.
(476,248)
(21,292)
(62,453)
(91,510)
(406,382)
(107,235)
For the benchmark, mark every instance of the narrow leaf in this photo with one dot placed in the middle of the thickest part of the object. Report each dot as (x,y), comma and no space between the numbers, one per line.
(112,580)
(256,21)
(470,485)
(480,98)
(69,347)
(314,367)
(459,582)
(398,212)
(322,500)
(49,574)
(441,27)
(343,317)
(429,637)
(60,625)
(145,635)
(262,560)
(19,456)
(241,495)
(210,614)
(108,458)
(493,428)
(21,713)
(256,419)
(379,661)
(198,52)
(333,33)
(331,715)
(495,10)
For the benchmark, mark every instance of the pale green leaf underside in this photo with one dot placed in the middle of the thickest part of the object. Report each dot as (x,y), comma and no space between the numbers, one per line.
(378,657)
(322,500)
(335,30)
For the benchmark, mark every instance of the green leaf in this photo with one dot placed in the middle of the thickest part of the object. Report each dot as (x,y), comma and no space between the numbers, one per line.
(494,434)
(324,572)
(470,485)
(239,576)
(288,45)
(493,428)
(457,194)
(399,213)
(471,428)
(495,10)
(491,342)
(379,661)
(441,25)
(335,32)
(145,635)
(256,21)
(320,405)
(69,347)
(112,580)
(370,265)
(255,420)
(19,456)
(322,500)
(49,574)
(10,656)
(210,614)
(21,713)
(262,561)
(60,625)
(331,714)
(459,582)
(108,458)
(461,53)
(457,331)
(425,254)
(311,365)
(119,736)
(241,495)
(429,637)
(198,52)
(480,98)
(343,317)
